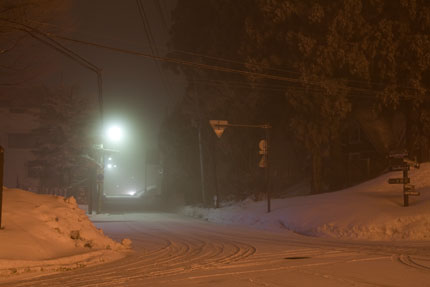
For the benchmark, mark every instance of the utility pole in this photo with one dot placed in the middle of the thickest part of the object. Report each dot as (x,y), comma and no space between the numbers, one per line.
(1,182)
(100,181)
(146,171)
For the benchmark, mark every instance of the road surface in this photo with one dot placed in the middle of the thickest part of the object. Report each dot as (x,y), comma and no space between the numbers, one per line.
(171,250)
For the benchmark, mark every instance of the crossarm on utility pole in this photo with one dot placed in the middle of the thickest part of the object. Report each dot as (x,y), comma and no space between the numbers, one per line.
(244,126)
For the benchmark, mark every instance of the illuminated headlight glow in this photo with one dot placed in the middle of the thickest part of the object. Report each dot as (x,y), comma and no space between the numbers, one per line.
(132,192)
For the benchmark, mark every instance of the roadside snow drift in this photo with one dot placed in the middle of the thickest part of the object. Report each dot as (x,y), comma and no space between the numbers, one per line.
(49,233)
(370,211)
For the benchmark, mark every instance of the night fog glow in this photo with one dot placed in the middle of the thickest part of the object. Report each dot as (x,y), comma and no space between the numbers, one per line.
(115,133)
(214,143)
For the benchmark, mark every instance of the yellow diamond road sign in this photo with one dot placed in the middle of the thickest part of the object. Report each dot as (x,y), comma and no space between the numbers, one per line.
(218,126)
(263,162)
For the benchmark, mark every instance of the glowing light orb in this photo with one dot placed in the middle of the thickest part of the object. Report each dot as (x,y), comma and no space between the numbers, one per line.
(115,134)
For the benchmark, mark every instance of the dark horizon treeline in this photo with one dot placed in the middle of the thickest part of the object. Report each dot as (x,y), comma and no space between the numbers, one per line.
(355,86)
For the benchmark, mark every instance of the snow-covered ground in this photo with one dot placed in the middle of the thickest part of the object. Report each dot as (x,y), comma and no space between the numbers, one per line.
(50,233)
(369,211)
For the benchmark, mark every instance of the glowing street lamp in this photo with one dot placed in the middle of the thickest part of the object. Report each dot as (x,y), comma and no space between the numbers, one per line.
(110,165)
(115,133)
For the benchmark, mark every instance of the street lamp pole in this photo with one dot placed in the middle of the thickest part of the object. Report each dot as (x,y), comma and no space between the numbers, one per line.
(100,170)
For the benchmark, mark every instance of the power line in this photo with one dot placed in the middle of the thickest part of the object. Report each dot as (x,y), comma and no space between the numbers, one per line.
(47,39)
(211,67)
(185,63)
(283,70)
(179,51)
(151,41)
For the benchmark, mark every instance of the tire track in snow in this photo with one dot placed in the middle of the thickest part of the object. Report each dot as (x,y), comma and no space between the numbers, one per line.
(407,260)
(177,254)
(168,251)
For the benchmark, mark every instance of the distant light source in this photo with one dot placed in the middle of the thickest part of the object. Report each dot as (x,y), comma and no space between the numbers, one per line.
(132,192)
(109,165)
(109,158)
(115,133)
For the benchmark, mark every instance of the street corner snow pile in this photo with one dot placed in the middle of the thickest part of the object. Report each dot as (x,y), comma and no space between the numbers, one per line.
(50,233)
(370,211)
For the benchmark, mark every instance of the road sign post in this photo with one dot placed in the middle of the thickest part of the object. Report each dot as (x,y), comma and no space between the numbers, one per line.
(1,183)
(219,127)
(267,175)
(405,195)
(410,190)
(399,162)
(214,162)
(399,180)
(202,173)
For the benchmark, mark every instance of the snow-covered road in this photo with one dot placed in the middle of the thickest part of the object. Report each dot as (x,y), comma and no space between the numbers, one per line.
(171,250)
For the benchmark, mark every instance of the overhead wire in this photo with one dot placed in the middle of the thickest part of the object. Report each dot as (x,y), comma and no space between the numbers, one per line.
(46,39)
(245,65)
(211,67)
(153,47)
(258,67)
(179,51)
(279,88)
(182,52)
(184,62)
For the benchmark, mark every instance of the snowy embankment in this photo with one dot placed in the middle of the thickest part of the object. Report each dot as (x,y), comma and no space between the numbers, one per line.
(370,211)
(50,233)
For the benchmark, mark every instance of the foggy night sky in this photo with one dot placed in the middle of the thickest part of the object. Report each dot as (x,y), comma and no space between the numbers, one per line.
(133,91)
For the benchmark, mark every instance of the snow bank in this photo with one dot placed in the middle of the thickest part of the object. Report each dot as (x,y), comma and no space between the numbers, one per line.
(370,211)
(49,233)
